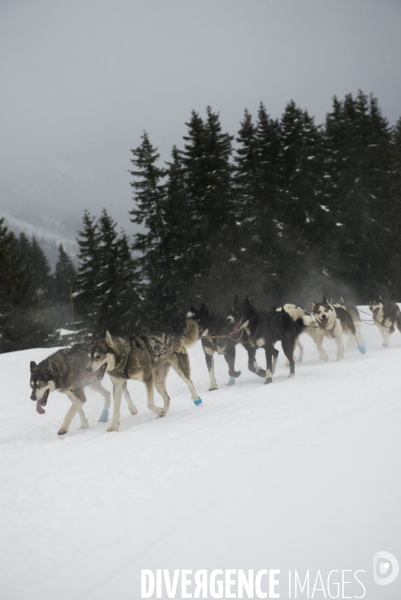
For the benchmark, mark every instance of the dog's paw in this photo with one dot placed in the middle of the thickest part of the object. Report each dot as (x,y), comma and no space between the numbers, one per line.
(291,375)
(62,431)
(112,428)
(324,357)
(211,389)
(159,411)
(84,426)
(268,380)
(133,410)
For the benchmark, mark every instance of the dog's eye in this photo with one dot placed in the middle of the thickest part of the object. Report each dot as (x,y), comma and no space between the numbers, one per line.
(41,383)
(31,383)
(97,356)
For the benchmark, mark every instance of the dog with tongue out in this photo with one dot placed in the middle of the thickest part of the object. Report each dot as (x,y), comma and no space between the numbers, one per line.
(65,371)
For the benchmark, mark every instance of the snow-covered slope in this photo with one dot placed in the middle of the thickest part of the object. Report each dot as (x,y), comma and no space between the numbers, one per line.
(299,475)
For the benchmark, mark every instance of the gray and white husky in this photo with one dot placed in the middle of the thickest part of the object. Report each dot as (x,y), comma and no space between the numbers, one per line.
(385,316)
(65,371)
(147,358)
(333,322)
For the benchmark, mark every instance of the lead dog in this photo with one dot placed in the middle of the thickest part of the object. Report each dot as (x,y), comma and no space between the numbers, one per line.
(333,321)
(146,358)
(214,332)
(265,329)
(385,316)
(65,371)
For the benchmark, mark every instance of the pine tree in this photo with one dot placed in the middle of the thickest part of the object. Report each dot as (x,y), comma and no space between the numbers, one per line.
(304,218)
(65,276)
(86,292)
(17,293)
(359,154)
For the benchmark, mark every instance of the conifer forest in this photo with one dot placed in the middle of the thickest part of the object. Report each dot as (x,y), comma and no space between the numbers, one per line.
(284,210)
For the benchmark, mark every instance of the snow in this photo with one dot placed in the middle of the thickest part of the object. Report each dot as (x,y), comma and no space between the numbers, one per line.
(301,474)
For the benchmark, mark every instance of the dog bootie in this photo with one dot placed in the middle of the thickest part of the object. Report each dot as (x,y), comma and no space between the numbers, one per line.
(197,401)
(104,417)
(362,349)
(300,359)
(231,381)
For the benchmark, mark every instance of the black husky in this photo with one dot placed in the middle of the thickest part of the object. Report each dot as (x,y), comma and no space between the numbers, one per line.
(265,329)
(214,332)
(385,316)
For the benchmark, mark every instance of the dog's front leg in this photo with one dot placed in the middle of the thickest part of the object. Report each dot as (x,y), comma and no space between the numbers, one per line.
(269,353)
(338,332)
(97,387)
(117,393)
(77,399)
(230,360)
(209,352)
(319,343)
(385,335)
(252,364)
(150,393)
(131,406)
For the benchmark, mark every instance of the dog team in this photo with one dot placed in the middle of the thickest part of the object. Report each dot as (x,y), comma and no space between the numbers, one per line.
(148,357)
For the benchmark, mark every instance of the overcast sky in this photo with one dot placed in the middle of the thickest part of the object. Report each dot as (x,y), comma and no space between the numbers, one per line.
(81,80)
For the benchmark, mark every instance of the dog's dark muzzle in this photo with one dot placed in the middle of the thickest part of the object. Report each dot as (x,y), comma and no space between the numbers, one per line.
(99,374)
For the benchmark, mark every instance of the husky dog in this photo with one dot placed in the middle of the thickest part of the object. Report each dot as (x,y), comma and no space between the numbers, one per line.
(385,316)
(146,357)
(214,332)
(65,371)
(333,322)
(295,313)
(265,329)
(356,317)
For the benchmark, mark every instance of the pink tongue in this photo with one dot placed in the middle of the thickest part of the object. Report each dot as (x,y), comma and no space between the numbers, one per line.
(39,408)
(235,328)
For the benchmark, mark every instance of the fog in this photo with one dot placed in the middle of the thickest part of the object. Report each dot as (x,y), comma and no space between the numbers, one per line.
(81,81)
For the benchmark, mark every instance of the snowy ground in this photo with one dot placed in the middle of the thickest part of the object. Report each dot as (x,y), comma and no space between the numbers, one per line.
(302,474)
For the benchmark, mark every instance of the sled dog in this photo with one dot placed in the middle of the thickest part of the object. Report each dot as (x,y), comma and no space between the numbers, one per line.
(295,313)
(265,329)
(333,322)
(65,371)
(355,316)
(385,316)
(214,333)
(147,358)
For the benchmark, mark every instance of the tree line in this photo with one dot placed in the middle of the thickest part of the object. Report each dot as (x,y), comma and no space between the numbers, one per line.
(285,211)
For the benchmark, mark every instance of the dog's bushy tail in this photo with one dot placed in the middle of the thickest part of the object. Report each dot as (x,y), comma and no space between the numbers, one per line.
(191,334)
(301,323)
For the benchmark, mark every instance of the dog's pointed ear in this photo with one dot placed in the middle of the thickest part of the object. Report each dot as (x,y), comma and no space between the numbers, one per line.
(33,365)
(325,300)
(192,309)
(109,339)
(380,298)
(236,299)
(246,301)
(313,304)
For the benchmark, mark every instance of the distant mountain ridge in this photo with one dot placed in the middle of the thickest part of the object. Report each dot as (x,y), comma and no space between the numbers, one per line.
(48,240)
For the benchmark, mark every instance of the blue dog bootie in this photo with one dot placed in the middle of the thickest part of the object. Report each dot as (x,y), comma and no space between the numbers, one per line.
(104,417)
(231,381)
(197,401)
(362,349)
